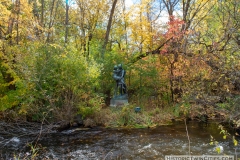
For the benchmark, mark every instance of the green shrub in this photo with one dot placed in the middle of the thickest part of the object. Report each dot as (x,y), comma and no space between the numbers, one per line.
(58,79)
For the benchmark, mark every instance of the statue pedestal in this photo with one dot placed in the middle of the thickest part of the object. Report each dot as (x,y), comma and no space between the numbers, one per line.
(118,101)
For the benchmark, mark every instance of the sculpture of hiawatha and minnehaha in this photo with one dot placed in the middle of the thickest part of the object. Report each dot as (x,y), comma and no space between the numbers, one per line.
(120,91)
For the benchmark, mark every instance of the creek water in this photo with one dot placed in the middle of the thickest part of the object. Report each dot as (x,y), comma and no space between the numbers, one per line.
(139,144)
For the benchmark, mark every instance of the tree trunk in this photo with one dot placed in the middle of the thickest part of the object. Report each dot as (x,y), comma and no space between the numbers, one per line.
(108,27)
(66,23)
(12,19)
(42,12)
(17,24)
(51,21)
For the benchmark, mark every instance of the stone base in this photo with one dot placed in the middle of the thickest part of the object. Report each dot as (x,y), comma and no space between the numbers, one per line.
(118,102)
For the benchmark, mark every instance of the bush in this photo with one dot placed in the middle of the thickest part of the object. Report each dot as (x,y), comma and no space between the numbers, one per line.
(58,81)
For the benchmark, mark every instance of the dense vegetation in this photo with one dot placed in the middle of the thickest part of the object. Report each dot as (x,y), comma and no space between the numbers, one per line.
(57,57)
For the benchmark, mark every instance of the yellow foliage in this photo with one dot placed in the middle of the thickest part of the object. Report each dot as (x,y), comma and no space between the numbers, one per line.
(5,13)
(139,25)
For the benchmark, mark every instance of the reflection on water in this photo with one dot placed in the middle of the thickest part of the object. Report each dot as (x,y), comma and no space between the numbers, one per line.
(134,143)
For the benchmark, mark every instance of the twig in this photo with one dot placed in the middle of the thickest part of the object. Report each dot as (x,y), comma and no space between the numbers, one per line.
(107,154)
(189,147)
(21,129)
(236,153)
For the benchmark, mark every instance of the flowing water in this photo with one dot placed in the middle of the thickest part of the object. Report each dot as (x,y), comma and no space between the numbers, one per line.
(139,144)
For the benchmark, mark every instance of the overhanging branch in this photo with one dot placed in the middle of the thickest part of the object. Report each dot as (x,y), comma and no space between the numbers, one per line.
(142,55)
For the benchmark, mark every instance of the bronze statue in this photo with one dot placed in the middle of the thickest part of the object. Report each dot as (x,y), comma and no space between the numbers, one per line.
(118,75)
(120,97)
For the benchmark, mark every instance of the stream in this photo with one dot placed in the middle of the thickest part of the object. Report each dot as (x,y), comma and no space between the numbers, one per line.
(140,144)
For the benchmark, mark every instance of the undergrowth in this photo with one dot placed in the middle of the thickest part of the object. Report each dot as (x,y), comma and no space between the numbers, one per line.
(126,116)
